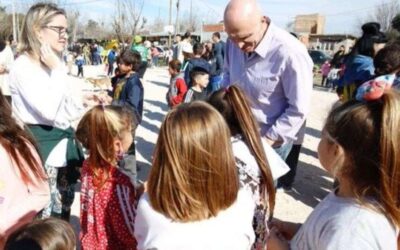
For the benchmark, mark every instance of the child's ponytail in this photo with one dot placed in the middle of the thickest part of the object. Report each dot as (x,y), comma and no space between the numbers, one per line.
(368,131)
(390,156)
(234,106)
(97,130)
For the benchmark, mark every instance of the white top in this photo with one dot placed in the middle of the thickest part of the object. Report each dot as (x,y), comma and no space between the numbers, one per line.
(41,97)
(340,223)
(277,165)
(6,60)
(230,229)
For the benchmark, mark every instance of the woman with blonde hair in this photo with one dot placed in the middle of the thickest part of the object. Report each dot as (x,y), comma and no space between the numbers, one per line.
(41,99)
(193,199)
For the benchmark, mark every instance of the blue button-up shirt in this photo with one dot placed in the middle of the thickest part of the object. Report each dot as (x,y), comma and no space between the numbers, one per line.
(278,79)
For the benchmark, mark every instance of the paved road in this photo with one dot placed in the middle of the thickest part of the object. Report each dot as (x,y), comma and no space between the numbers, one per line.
(312,182)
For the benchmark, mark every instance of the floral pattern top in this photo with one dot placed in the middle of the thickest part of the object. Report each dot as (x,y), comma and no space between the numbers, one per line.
(250,179)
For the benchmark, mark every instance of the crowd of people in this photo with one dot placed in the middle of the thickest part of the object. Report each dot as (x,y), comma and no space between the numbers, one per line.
(230,141)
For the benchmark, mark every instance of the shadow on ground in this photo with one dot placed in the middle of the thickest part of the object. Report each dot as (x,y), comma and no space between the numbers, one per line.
(162,105)
(160,84)
(145,148)
(75,223)
(313,132)
(313,180)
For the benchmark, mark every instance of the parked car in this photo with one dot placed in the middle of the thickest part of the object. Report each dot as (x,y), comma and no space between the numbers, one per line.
(319,57)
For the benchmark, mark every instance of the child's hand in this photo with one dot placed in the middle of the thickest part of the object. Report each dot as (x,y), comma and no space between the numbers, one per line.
(287,229)
(276,241)
(48,57)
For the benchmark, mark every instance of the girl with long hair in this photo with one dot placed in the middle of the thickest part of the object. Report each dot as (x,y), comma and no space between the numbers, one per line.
(107,194)
(24,190)
(360,147)
(250,156)
(193,198)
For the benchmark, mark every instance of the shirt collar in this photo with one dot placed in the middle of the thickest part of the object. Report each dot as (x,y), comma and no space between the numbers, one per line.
(263,47)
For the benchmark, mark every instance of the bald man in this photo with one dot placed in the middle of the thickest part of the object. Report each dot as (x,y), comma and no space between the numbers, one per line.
(272,67)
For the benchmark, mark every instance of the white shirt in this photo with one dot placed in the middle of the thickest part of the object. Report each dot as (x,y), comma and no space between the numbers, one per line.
(230,229)
(41,97)
(340,223)
(6,60)
(277,165)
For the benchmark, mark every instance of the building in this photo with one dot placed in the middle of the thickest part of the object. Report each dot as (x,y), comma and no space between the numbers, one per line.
(309,24)
(208,29)
(330,43)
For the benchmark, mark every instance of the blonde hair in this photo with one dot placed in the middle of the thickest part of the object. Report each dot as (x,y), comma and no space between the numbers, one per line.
(44,234)
(193,176)
(97,130)
(38,16)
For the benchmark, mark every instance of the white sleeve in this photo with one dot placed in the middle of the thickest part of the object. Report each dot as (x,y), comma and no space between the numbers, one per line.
(276,164)
(45,96)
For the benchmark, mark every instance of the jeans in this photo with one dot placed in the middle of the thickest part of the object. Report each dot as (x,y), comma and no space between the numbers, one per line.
(292,160)
(283,152)
(128,164)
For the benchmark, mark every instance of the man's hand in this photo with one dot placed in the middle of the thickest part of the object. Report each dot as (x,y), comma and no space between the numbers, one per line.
(273,143)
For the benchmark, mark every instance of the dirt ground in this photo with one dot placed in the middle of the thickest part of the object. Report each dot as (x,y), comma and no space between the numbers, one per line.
(312,182)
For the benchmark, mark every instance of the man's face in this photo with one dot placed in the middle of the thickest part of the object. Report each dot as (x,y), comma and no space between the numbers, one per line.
(247,35)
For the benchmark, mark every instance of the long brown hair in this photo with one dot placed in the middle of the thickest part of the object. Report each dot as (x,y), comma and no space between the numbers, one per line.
(369,134)
(97,130)
(193,176)
(234,106)
(18,143)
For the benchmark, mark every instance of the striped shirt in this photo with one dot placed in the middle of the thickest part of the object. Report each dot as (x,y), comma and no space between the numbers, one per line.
(194,95)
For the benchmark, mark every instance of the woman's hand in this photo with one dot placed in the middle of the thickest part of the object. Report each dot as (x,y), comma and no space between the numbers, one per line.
(49,57)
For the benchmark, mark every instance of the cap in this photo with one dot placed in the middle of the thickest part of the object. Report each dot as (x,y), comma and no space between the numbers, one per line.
(137,39)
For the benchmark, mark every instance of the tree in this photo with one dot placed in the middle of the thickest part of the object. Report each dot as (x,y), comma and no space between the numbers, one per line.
(73,23)
(384,14)
(158,25)
(128,18)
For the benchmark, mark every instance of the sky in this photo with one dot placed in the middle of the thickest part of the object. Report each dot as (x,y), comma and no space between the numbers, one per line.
(342,16)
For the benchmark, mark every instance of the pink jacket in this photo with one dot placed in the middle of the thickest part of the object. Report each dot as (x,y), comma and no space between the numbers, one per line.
(19,202)
(325,68)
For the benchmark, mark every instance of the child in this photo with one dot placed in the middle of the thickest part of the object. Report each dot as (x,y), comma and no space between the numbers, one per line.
(129,92)
(359,146)
(79,61)
(24,189)
(251,156)
(325,68)
(387,62)
(177,85)
(107,195)
(200,79)
(196,62)
(193,198)
(47,234)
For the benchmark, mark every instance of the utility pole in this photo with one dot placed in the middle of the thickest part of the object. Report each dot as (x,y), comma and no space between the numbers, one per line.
(191,16)
(177,18)
(170,23)
(14,23)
